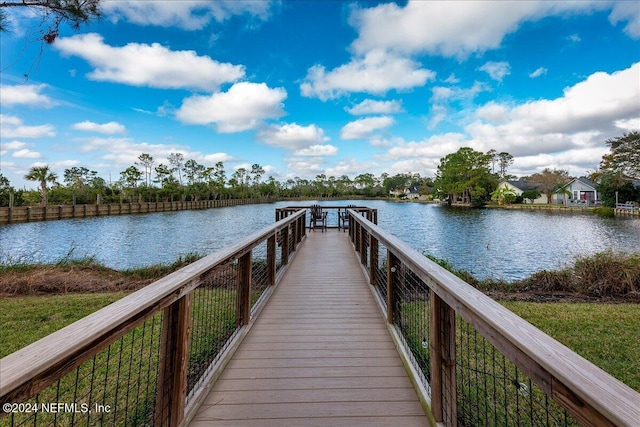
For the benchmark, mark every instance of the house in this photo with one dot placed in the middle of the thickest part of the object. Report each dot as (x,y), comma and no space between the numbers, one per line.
(519,187)
(412,192)
(578,192)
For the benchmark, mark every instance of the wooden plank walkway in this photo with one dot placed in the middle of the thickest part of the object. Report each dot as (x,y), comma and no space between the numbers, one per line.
(319,354)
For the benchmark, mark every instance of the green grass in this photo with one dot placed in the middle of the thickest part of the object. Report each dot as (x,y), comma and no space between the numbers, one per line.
(27,319)
(605,334)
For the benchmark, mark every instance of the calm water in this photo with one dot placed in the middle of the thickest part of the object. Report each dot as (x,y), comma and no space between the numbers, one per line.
(487,242)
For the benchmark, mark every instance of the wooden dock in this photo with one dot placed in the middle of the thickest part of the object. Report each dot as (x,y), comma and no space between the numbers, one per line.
(319,354)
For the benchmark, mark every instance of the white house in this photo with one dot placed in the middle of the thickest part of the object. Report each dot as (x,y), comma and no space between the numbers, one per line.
(519,187)
(578,192)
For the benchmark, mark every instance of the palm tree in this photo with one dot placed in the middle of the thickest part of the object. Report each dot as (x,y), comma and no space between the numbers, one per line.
(43,174)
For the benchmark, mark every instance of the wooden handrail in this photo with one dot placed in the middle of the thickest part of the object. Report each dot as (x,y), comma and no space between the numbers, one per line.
(31,369)
(590,394)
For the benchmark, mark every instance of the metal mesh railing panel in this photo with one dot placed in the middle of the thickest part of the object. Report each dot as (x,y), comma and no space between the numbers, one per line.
(411,316)
(491,391)
(259,272)
(117,386)
(380,273)
(213,320)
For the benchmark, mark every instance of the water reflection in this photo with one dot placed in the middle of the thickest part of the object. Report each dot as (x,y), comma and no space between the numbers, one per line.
(502,244)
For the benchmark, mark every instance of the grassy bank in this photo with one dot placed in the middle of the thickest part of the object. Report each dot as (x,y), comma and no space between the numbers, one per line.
(606,274)
(24,320)
(605,334)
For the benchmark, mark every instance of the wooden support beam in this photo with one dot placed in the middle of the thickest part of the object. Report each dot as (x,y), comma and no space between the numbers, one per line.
(373,259)
(285,245)
(271,260)
(174,362)
(443,360)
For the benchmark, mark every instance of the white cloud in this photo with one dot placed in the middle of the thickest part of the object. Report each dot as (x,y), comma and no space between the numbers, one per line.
(12,127)
(370,106)
(539,72)
(25,153)
(443,93)
(25,95)
(575,38)
(110,128)
(292,136)
(363,128)
(458,29)
(317,150)
(152,65)
(376,73)
(188,15)
(628,124)
(496,70)
(351,167)
(244,106)
(434,147)
(217,157)
(628,11)
(305,167)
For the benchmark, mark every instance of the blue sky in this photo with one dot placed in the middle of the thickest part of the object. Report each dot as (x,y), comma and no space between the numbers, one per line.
(322,87)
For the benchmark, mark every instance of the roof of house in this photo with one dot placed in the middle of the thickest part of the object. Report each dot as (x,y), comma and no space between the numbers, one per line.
(583,180)
(413,189)
(525,185)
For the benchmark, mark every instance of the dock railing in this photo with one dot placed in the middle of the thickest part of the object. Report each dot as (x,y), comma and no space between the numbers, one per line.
(151,357)
(474,362)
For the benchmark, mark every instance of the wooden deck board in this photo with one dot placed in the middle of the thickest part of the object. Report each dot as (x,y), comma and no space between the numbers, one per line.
(319,354)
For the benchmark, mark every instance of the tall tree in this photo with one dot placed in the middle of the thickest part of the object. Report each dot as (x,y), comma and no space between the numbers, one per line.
(504,161)
(551,180)
(466,174)
(177,161)
(624,158)
(79,176)
(42,174)
(146,161)
(53,13)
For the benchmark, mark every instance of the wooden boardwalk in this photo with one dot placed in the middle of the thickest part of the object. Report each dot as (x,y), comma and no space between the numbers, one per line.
(319,354)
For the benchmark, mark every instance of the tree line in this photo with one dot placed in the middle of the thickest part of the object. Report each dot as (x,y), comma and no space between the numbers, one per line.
(466,176)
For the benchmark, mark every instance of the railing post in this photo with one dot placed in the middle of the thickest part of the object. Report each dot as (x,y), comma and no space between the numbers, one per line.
(243,299)
(392,266)
(285,245)
(271,260)
(174,361)
(443,360)
(373,259)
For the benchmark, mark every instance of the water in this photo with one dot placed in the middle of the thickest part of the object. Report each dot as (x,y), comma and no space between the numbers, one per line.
(499,244)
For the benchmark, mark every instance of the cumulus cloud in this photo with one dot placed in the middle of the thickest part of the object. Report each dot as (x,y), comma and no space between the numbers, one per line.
(351,167)
(370,106)
(25,95)
(188,15)
(151,65)
(452,29)
(364,128)
(292,136)
(110,128)
(593,104)
(244,106)
(569,131)
(25,153)
(496,70)
(317,150)
(627,11)
(376,72)
(12,127)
